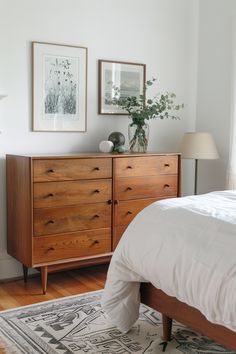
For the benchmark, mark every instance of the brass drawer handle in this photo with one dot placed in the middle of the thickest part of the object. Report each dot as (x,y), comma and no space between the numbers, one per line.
(109,201)
(166,186)
(116,201)
(96,216)
(50,171)
(97,191)
(167,165)
(51,222)
(129,188)
(129,212)
(129,167)
(96,168)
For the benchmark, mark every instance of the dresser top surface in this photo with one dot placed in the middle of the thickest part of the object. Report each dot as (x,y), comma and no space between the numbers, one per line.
(91,155)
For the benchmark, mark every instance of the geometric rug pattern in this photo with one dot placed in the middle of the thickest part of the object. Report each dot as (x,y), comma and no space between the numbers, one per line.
(77,324)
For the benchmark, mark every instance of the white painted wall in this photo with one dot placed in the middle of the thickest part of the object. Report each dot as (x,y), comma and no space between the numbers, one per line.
(160,33)
(215,74)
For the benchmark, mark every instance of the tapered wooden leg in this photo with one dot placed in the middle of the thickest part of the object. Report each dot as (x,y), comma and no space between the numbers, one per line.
(25,272)
(44,278)
(167,327)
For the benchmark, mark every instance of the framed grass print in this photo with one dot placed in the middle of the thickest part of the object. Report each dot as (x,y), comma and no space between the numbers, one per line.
(129,78)
(59,87)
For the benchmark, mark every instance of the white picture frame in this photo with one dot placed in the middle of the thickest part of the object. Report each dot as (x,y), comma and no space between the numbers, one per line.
(59,87)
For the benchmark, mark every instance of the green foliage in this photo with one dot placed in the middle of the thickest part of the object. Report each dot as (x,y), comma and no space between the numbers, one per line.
(139,109)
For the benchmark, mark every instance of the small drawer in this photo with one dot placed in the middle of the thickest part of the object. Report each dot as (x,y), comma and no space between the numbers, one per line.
(126,211)
(146,166)
(50,194)
(71,169)
(72,218)
(146,187)
(76,245)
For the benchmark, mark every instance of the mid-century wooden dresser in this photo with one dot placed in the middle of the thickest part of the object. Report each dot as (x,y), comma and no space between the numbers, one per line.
(71,211)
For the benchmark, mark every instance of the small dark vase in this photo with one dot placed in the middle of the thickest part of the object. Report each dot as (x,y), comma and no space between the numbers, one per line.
(138,137)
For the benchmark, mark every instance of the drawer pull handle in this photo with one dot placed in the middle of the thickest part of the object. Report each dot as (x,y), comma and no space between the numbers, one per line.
(51,249)
(51,170)
(50,195)
(166,186)
(96,168)
(96,242)
(129,188)
(109,201)
(167,165)
(129,212)
(97,191)
(116,201)
(129,167)
(51,222)
(96,216)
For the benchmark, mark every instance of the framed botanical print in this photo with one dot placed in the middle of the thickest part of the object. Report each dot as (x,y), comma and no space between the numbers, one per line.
(59,87)
(128,78)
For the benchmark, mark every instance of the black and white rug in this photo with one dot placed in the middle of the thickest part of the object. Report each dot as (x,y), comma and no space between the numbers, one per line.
(77,325)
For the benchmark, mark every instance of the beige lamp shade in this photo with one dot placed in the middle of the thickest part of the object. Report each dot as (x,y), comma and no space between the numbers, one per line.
(198,145)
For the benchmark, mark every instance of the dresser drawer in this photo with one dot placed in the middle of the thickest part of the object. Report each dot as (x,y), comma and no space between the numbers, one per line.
(117,234)
(146,166)
(126,211)
(146,187)
(64,246)
(71,169)
(49,194)
(72,218)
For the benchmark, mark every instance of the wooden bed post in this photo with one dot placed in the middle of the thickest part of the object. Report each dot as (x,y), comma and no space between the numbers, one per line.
(167,327)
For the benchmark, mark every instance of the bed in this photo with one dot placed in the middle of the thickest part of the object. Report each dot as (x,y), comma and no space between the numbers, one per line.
(182,252)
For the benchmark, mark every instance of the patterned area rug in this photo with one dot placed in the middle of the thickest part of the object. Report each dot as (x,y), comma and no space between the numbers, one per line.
(77,324)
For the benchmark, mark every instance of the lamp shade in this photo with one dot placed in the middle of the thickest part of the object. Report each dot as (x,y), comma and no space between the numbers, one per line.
(198,145)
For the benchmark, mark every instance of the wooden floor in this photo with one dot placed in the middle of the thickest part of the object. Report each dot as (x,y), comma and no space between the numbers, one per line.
(17,293)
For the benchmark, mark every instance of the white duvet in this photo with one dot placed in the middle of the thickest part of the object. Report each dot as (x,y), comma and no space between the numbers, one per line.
(184,246)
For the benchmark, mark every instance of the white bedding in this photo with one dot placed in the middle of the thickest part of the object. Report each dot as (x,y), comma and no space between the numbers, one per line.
(184,246)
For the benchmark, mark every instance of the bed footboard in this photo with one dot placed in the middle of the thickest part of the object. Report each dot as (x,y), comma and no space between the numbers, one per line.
(171,308)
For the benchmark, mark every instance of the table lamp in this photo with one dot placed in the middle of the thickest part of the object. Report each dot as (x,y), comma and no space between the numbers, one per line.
(198,146)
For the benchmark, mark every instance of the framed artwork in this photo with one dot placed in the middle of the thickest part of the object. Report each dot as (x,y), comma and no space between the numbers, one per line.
(59,87)
(129,78)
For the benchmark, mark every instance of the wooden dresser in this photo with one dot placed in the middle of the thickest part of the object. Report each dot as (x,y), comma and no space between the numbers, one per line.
(70,211)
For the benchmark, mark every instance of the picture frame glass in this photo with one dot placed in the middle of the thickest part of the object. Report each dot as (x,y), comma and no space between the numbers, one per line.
(129,78)
(59,87)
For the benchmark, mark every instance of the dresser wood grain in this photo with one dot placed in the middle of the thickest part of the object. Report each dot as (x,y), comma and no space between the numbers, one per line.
(68,211)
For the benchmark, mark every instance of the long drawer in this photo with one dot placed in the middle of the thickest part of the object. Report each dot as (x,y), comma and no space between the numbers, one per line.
(49,194)
(146,166)
(126,211)
(64,246)
(72,218)
(146,187)
(71,169)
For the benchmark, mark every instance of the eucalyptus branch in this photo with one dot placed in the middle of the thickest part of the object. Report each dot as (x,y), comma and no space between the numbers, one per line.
(140,109)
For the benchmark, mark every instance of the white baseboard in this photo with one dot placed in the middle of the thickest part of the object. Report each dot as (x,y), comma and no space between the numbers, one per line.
(10,268)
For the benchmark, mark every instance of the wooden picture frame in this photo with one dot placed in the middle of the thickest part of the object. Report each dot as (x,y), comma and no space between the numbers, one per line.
(128,77)
(59,87)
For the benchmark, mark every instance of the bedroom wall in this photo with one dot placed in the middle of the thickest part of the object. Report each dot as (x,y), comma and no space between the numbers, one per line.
(160,33)
(215,74)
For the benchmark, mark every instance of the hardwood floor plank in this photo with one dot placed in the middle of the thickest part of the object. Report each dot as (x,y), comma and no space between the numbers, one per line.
(17,293)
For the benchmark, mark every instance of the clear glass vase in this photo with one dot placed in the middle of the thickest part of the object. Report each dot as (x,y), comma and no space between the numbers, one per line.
(138,137)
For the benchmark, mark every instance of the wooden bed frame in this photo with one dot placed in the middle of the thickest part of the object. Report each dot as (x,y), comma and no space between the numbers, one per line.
(171,308)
